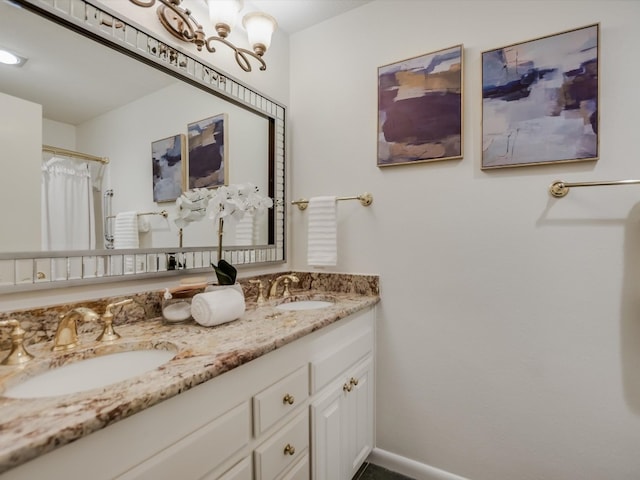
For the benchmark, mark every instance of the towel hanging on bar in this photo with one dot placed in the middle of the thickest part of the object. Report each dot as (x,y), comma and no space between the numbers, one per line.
(322,248)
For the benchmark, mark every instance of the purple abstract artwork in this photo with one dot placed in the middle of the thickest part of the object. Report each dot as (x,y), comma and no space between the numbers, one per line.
(420,108)
(540,100)
(208,152)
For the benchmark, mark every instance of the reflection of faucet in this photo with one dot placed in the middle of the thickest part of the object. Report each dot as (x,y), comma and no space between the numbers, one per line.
(67,334)
(286,280)
(18,355)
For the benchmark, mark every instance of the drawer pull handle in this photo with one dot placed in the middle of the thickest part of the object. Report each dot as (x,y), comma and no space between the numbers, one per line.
(289,449)
(353,381)
(347,387)
(288,399)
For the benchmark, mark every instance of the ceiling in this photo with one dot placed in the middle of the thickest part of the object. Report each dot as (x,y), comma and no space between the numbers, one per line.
(296,15)
(71,98)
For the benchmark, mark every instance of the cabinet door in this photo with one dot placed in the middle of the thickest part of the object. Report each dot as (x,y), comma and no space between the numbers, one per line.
(327,423)
(359,413)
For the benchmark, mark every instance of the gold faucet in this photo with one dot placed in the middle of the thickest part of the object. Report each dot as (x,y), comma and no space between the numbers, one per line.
(67,334)
(18,354)
(286,281)
(260,299)
(108,333)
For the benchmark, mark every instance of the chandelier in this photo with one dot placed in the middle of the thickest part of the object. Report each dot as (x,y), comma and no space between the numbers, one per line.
(223,14)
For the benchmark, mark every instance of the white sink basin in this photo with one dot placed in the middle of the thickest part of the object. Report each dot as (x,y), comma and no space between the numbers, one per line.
(304,305)
(90,373)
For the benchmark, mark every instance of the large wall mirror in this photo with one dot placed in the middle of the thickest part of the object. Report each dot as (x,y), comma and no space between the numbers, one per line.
(95,86)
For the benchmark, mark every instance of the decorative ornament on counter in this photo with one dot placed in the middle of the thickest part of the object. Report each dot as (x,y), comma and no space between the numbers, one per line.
(225,272)
(176,301)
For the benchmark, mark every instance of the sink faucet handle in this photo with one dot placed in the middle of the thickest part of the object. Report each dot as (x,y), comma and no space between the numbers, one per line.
(18,354)
(287,281)
(108,333)
(260,300)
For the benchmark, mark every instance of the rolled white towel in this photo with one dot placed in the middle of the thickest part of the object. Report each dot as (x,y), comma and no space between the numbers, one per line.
(218,306)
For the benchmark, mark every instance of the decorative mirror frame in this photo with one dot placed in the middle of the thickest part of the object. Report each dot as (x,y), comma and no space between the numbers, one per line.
(32,270)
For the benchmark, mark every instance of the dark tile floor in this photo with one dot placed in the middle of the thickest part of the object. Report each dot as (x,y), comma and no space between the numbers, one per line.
(369,471)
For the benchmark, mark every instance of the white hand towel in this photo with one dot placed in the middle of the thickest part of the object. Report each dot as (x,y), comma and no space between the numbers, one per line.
(218,306)
(245,231)
(125,232)
(144,224)
(322,247)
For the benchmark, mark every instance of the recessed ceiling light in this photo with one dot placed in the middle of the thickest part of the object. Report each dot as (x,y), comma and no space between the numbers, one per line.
(9,58)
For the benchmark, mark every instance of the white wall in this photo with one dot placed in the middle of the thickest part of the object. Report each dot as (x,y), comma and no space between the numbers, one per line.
(509,340)
(58,134)
(21,138)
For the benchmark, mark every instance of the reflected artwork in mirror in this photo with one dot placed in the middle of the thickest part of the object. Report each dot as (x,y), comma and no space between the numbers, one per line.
(96,87)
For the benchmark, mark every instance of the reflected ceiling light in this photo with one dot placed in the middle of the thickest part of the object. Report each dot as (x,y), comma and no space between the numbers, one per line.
(223,15)
(10,58)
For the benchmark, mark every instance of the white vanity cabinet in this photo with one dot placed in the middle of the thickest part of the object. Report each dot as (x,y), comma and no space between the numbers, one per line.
(282,416)
(342,410)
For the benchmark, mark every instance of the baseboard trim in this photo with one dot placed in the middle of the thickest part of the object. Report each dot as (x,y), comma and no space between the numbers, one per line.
(409,467)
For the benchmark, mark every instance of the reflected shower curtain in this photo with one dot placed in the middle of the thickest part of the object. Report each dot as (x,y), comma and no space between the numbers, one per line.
(68,215)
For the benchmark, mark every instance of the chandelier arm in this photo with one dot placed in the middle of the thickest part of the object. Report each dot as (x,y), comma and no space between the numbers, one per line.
(142,3)
(185,27)
(244,52)
(241,54)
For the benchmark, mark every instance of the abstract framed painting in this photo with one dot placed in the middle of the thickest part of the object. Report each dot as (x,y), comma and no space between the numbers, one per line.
(420,105)
(208,156)
(169,168)
(540,100)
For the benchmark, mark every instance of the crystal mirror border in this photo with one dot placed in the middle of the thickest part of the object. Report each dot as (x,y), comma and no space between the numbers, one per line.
(44,270)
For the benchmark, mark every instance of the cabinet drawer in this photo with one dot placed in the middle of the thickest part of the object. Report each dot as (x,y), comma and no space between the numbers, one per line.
(328,367)
(240,471)
(300,470)
(279,399)
(200,452)
(282,449)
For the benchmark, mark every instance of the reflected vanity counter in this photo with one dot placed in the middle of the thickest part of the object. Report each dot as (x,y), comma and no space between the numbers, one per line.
(32,427)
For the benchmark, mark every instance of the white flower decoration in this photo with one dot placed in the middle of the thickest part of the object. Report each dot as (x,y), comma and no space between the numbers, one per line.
(234,201)
(230,202)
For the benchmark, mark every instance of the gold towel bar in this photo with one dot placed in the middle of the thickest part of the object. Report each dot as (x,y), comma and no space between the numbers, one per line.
(366,199)
(560,189)
(71,153)
(164,213)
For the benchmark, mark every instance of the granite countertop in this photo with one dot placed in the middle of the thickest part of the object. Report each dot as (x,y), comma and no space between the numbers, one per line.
(32,427)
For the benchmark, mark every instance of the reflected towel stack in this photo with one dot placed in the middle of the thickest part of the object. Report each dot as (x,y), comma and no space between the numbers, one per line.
(245,231)
(125,232)
(125,235)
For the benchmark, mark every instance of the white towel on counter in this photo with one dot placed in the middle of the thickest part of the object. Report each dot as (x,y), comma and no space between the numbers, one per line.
(218,306)
(125,231)
(322,245)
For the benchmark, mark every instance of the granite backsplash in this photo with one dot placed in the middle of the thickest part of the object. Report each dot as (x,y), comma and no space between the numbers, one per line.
(41,323)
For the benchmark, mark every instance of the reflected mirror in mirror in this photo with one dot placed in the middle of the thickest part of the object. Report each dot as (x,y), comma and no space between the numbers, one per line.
(76,94)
